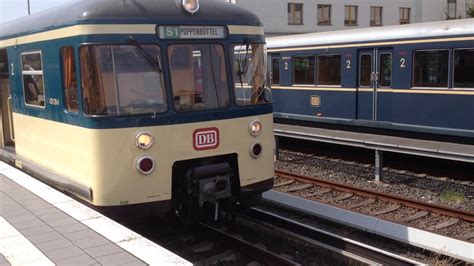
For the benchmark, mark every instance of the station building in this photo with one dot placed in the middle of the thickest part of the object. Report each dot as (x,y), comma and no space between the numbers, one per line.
(282,17)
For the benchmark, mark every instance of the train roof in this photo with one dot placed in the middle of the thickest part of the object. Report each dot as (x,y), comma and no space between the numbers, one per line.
(211,12)
(439,29)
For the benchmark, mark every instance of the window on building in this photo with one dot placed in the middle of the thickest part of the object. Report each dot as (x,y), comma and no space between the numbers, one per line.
(32,72)
(324,14)
(463,68)
(351,16)
(404,15)
(452,6)
(375,16)
(329,70)
(431,68)
(303,69)
(295,14)
(69,78)
(385,73)
(365,74)
(276,70)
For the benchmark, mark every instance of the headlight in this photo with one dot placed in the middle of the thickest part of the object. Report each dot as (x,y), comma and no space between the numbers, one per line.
(144,140)
(255,128)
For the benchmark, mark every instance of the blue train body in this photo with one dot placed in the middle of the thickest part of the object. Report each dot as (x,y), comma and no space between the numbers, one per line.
(399,106)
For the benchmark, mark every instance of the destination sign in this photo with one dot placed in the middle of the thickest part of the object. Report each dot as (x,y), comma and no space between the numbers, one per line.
(192,32)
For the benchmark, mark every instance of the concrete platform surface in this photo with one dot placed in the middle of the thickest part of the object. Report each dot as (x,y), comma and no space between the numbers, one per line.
(41,226)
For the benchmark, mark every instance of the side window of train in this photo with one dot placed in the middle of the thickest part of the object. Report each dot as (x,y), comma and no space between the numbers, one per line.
(329,70)
(303,70)
(385,71)
(430,68)
(3,62)
(69,78)
(276,70)
(365,70)
(33,84)
(464,68)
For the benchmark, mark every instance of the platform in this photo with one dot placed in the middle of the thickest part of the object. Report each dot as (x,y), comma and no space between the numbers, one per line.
(427,148)
(41,226)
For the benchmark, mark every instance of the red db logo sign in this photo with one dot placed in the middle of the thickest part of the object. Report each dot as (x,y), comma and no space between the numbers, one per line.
(206,138)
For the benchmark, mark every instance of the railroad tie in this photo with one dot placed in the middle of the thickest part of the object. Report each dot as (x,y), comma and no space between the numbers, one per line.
(450,222)
(364,203)
(319,193)
(387,210)
(282,184)
(469,235)
(415,216)
(342,197)
(293,189)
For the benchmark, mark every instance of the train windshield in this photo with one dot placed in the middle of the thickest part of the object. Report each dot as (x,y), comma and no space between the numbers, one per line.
(122,80)
(198,77)
(249,72)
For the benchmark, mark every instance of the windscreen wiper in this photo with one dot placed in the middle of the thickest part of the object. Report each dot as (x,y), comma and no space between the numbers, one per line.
(152,62)
(243,70)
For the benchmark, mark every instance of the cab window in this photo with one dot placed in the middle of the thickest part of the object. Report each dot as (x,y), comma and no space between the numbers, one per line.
(249,72)
(121,80)
(33,85)
(69,78)
(198,77)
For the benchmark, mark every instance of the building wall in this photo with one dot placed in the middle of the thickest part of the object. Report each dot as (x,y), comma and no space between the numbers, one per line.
(274,13)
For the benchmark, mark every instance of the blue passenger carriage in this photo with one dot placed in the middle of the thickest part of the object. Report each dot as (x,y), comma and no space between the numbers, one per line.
(411,78)
(131,104)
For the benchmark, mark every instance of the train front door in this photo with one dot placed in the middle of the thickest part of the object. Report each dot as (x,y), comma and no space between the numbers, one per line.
(375,73)
(7,135)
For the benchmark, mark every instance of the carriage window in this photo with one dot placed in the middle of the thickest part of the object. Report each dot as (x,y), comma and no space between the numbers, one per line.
(198,76)
(69,79)
(431,68)
(385,70)
(249,72)
(365,70)
(464,68)
(329,70)
(276,70)
(303,69)
(3,62)
(33,85)
(122,80)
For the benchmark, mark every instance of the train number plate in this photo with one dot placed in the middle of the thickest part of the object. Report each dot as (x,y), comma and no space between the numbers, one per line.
(206,138)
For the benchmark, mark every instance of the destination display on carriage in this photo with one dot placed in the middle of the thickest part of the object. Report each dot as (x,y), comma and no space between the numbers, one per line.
(192,32)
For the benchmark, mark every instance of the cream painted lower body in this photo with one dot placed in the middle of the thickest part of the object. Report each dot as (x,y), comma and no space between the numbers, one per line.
(105,159)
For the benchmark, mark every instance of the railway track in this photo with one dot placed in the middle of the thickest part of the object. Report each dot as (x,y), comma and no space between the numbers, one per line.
(253,252)
(442,220)
(359,253)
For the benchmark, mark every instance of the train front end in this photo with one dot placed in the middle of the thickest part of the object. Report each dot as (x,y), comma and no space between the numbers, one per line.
(188,116)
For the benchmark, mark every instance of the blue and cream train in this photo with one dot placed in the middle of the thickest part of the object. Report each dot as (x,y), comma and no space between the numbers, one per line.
(414,79)
(133,104)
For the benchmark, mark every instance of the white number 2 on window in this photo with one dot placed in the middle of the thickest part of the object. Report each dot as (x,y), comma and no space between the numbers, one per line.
(402,62)
(348,64)
(286,65)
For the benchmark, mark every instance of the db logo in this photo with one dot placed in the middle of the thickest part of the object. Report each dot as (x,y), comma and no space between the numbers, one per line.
(206,138)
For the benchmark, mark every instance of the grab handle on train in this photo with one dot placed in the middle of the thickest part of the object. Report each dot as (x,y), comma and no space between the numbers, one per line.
(10,120)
